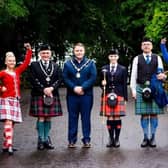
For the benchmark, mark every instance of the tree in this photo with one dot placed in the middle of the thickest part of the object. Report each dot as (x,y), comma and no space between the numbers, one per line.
(156,23)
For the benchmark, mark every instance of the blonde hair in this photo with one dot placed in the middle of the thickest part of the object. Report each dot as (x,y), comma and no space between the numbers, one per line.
(9,54)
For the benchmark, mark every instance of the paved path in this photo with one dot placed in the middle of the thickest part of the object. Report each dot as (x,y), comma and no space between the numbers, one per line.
(129,155)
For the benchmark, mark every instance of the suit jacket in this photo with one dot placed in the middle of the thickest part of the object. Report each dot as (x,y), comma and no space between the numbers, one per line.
(87,76)
(119,80)
(38,77)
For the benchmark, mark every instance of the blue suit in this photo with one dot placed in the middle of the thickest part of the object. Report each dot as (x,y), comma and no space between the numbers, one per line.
(79,104)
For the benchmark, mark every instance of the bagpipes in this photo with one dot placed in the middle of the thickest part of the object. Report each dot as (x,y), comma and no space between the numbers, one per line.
(157,89)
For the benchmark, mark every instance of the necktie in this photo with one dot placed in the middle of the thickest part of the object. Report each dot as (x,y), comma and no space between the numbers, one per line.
(112,69)
(147,59)
(45,65)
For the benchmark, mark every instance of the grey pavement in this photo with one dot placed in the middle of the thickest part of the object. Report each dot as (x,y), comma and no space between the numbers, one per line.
(129,155)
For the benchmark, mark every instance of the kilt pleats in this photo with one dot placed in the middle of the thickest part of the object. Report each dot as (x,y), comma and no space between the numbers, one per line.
(142,107)
(118,110)
(10,109)
(38,109)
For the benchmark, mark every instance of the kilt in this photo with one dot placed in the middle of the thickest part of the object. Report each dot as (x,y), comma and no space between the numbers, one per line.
(38,109)
(142,107)
(118,110)
(10,109)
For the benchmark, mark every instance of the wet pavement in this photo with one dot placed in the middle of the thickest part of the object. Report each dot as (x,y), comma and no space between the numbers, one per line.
(129,155)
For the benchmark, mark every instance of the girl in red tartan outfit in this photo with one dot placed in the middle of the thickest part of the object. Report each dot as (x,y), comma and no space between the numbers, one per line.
(10,111)
(114,80)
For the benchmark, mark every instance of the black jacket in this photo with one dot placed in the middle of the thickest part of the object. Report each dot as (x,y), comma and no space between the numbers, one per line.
(38,81)
(119,82)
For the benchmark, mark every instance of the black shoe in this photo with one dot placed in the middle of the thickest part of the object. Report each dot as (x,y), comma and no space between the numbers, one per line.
(48,144)
(4,150)
(10,151)
(116,143)
(40,145)
(152,143)
(110,143)
(144,143)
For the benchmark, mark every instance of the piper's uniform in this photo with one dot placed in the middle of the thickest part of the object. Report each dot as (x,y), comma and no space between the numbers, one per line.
(142,71)
(120,88)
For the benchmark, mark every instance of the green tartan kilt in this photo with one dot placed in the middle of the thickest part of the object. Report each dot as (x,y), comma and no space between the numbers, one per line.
(142,107)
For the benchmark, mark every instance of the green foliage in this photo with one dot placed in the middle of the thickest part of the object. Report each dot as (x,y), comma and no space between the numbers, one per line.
(156,22)
(16,8)
(12,9)
(99,24)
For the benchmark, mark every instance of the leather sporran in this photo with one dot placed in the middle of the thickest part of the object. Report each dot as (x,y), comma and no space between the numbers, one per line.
(147,94)
(112,99)
(48,100)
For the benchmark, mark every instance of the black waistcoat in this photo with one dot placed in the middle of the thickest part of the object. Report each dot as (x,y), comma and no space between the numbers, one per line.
(145,71)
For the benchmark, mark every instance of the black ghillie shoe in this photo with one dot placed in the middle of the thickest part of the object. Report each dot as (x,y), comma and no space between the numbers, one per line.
(145,143)
(40,144)
(152,143)
(48,144)
(116,143)
(10,151)
(110,143)
(6,150)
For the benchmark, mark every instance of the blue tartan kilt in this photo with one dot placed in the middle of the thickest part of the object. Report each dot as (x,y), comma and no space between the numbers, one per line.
(142,107)
(39,109)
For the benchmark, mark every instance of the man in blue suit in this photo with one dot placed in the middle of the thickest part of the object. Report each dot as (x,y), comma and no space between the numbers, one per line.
(79,75)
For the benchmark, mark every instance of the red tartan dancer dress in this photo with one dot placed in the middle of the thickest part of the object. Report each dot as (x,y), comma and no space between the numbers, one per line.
(10,111)
(114,82)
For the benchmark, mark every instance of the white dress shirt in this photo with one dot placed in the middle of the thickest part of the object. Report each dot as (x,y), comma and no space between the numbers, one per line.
(45,63)
(113,65)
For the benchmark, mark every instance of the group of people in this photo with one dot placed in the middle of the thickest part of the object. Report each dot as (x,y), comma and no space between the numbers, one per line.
(79,75)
